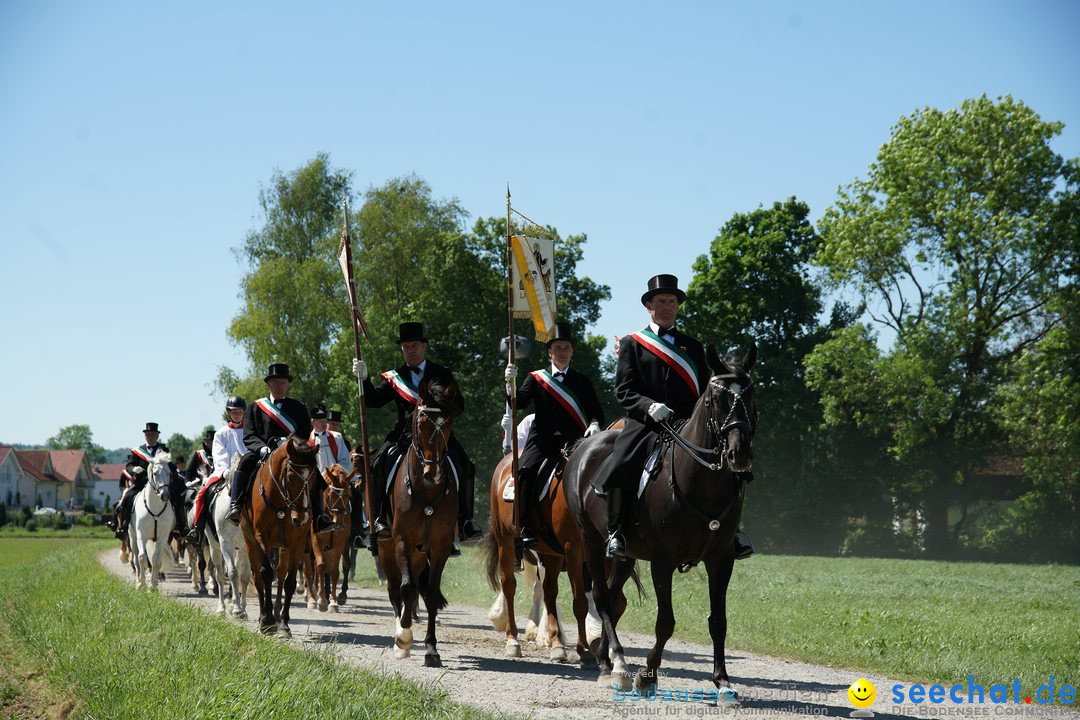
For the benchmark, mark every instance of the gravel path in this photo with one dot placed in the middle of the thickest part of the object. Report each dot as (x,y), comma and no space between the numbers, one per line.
(477,672)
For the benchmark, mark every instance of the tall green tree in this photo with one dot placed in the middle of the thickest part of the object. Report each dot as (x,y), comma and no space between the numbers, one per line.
(957,241)
(292,291)
(756,284)
(77,437)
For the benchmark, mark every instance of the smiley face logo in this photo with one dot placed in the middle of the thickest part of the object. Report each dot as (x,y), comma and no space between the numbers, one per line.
(862,693)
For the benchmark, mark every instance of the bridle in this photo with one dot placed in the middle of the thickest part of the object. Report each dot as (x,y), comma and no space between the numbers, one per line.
(294,503)
(439,422)
(737,417)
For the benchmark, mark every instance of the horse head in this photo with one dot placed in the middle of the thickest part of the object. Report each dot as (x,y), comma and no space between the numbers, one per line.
(337,501)
(292,467)
(433,421)
(730,402)
(159,475)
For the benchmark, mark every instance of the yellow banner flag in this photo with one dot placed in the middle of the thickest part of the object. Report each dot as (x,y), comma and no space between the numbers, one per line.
(534,276)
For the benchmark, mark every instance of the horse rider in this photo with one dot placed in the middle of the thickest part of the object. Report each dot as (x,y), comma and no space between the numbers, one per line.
(201,465)
(358,521)
(566,409)
(268,422)
(137,462)
(661,373)
(228,442)
(401,386)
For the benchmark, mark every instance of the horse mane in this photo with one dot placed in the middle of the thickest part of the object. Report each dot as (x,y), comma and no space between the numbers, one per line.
(439,395)
(162,458)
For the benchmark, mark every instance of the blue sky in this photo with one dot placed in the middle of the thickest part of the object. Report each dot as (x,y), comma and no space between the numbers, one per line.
(134,138)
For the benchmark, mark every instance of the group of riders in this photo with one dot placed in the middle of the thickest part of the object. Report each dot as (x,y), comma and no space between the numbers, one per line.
(652,385)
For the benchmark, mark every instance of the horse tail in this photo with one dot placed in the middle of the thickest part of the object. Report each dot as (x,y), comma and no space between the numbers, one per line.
(440,599)
(489,552)
(637,580)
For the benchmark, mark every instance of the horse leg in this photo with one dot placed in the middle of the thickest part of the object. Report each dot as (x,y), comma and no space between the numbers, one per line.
(346,570)
(580,593)
(433,601)
(552,566)
(264,583)
(719,577)
(216,565)
(530,573)
(332,581)
(407,600)
(508,583)
(290,587)
(620,573)
(322,577)
(202,568)
(309,580)
(594,559)
(665,626)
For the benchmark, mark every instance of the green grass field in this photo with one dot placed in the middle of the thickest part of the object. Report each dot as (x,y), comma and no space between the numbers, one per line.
(128,654)
(912,620)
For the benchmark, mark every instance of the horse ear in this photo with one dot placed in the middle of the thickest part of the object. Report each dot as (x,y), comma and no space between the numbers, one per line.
(715,363)
(751,357)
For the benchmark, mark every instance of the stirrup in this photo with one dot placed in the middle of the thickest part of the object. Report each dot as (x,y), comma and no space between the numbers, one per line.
(194,536)
(381,531)
(469,530)
(233,515)
(616,547)
(323,524)
(742,550)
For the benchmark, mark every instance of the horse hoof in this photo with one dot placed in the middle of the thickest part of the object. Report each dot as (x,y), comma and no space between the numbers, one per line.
(557,655)
(240,614)
(513,648)
(622,680)
(311,605)
(432,660)
(604,680)
(323,607)
(268,629)
(285,632)
(334,609)
(643,681)
(401,653)
(342,599)
(220,611)
(727,693)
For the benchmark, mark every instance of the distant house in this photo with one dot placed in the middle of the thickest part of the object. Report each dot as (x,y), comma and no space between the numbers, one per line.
(49,489)
(73,466)
(17,488)
(106,484)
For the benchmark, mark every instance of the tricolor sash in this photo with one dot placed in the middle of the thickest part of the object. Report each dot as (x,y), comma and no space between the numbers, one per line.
(331,442)
(562,395)
(679,361)
(402,387)
(202,457)
(279,418)
(141,454)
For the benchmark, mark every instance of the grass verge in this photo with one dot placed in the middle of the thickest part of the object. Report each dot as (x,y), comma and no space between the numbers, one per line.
(129,654)
(913,620)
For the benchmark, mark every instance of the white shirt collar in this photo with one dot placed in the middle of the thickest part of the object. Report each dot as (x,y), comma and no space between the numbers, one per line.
(557,370)
(656,329)
(420,368)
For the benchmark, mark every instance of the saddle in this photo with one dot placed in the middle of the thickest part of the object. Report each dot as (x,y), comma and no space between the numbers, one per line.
(551,467)
(653,463)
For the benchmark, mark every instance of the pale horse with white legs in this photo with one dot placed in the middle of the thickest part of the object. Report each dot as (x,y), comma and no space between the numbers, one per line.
(228,553)
(151,521)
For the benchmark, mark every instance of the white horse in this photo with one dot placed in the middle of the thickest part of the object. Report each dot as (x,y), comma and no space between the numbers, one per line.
(151,521)
(228,553)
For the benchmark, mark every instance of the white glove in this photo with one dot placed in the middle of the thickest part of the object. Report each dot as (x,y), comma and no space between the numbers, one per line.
(264,451)
(511,373)
(594,427)
(138,471)
(659,412)
(359,369)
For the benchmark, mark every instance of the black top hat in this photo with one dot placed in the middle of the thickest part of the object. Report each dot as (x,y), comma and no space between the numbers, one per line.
(151,427)
(663,284)
(333,415)
(318,413)
(563,331)
(278,370)
(409,331)
(208,436)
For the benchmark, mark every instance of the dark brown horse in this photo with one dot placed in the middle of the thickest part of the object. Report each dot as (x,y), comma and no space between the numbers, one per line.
(276,526)
(561,550)
(688,514)
(322,566)
(424,505)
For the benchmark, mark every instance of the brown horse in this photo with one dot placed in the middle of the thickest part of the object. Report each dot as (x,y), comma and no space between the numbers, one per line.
(322,566)
(424,504)
(276,525)
(563,549)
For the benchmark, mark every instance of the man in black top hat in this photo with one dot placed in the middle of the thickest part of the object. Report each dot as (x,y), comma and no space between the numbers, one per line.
(137,462)
(268,422)
(661,373)
(566,409)
(401,387)
(201,465)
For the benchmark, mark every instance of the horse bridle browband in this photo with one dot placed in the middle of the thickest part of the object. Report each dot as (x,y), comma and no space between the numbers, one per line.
(425,410)
(717,431)
(290,503)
